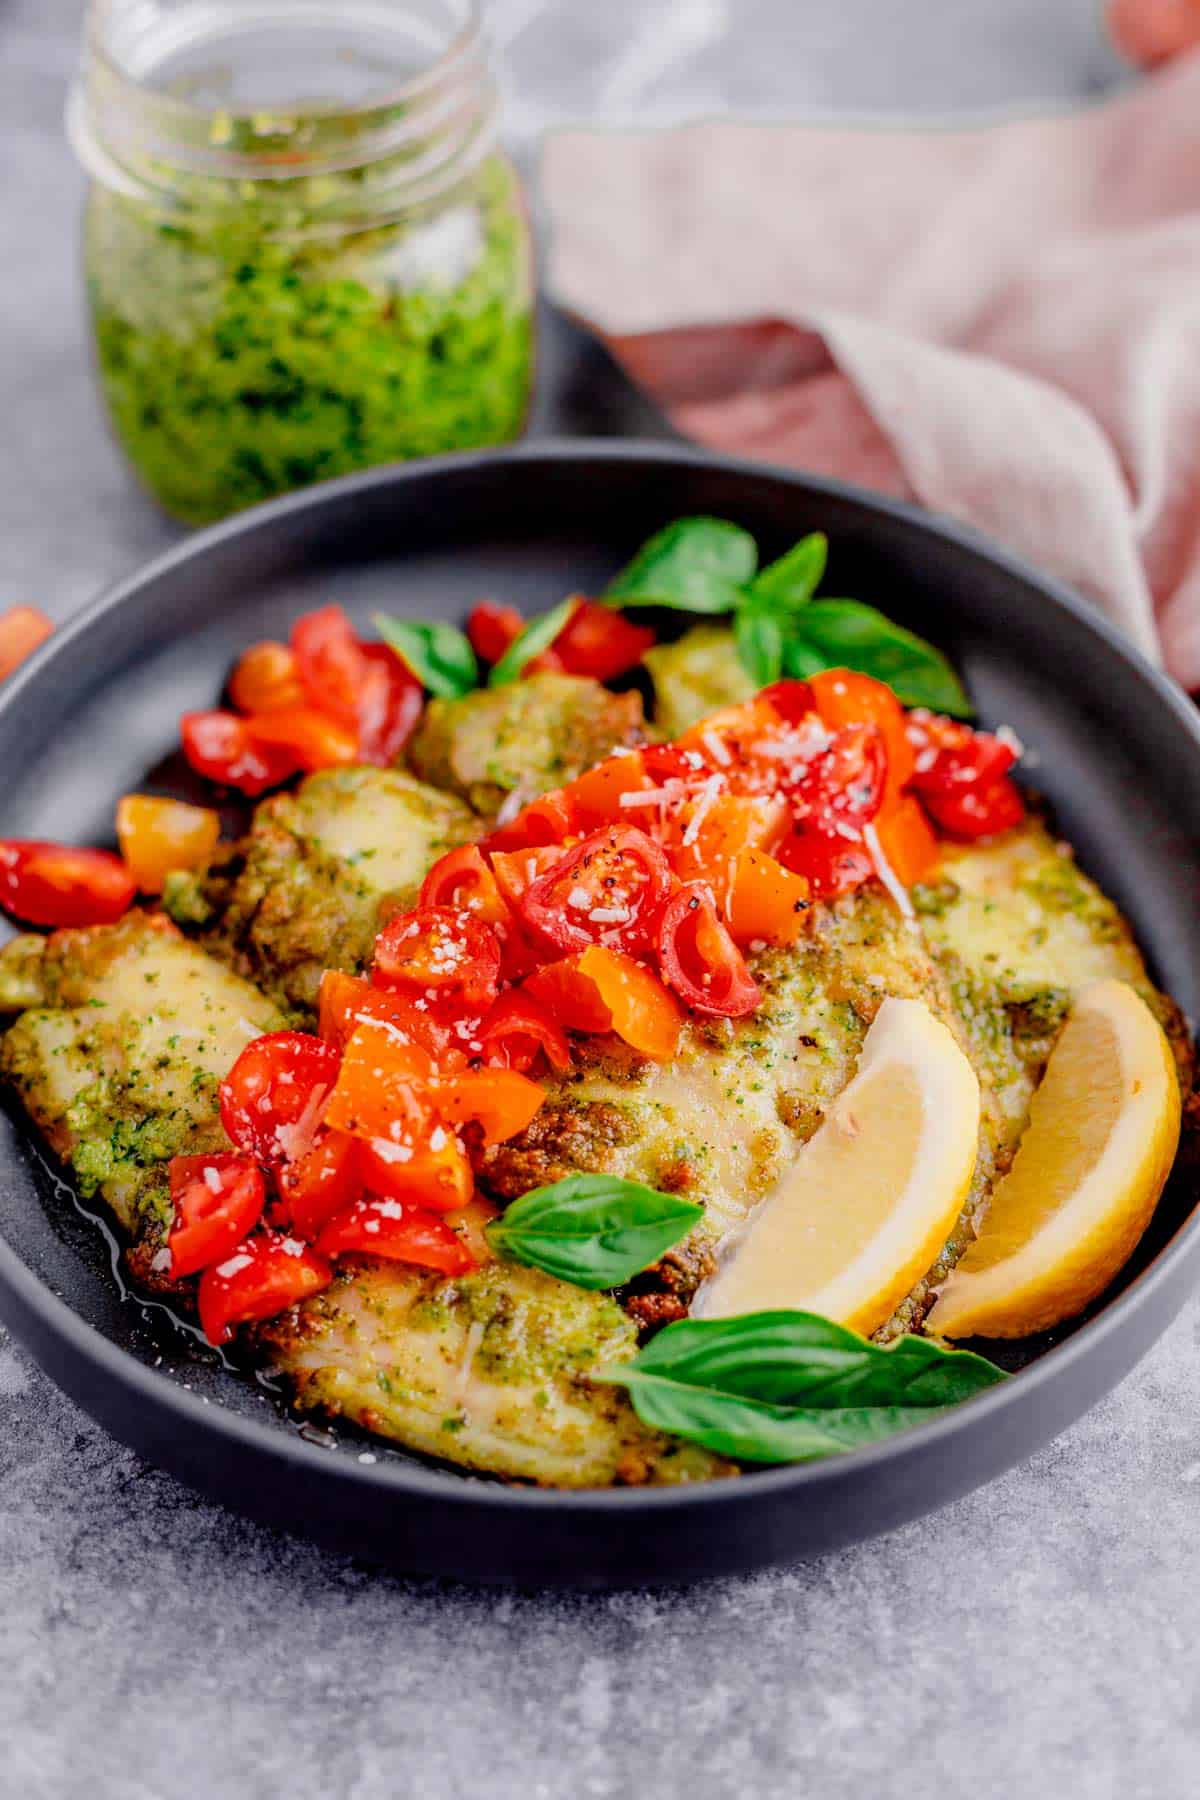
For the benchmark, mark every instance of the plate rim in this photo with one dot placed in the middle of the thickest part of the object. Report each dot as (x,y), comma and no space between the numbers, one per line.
(414,1479)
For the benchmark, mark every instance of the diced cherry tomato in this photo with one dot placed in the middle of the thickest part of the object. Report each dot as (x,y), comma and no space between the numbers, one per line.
(596,795)
(273,1097)
(347,1001)
(844,697)
(397,1232)
(831,864)
(313,739)
(546,820)
(22,629)
(218,1200)
(907,840)
(58,884)
(264,1275)
(265,679)
(330,664)
(977,811)
(517,870)
(608,889)
(699,958)
(712,839)
(765,902)
(158,835)
(433,1172)
(501,1102)
(846,783)
(219,745)
(323,1182)
(382,1089)
(389,709)
(463,881)
(729,736)
(949,756)
(794,701)
(439,953)
(491,628)
(600,642)
(518,1029)
(600,990)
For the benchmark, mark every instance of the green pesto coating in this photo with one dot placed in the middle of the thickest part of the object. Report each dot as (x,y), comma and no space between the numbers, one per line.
(240,358)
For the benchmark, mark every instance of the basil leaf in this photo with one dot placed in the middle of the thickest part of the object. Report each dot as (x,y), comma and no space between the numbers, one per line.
(440,656)
(793,580)
(537,636)
(759,640)
(853,636)
(699,565)
(593,1230)
(791,1386)
(800,660)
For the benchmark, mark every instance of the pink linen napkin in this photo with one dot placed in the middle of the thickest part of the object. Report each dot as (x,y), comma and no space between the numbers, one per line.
(1002,323)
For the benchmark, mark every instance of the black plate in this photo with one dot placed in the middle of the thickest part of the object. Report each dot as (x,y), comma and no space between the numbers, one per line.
(1119,759)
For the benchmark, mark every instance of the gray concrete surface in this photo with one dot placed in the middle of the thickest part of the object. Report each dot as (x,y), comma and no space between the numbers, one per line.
(1034,1639)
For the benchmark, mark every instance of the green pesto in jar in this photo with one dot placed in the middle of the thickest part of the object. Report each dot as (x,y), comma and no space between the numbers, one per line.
(240,358)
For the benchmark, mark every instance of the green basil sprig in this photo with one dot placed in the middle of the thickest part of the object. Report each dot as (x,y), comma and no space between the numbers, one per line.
(593,1230)
(440,656)
(709,565)
(537,636)
(791,1386)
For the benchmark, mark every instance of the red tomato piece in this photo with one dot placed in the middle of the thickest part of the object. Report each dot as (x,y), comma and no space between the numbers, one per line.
(323,1182)
(218,1200)
(608,889)
(846,783)
(844,697)
(330,664)
(442,954)
(311,738)
(57,884)
(273,1097)
(547,820)
(219,745)
(832,864)
(950,757)
(794,701)
(699,958)
(518,1030)
(265,1274)
(982,810)
(399,1232)
(600,642)
(388,709)
(463,881)
(517,870)
(492,628)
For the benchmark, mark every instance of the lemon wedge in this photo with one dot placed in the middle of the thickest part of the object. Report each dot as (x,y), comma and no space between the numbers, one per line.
(1101,1138)
(865,1208)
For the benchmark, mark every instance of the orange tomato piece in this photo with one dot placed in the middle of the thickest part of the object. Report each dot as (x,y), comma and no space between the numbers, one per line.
(437,1174)
(908,840)
(158,835)
(265,679)
(595,795)
(844,697)
(733,823)
(22,629)
(600,990)
(765,901)
(316,740)
(501,1101)
(383,1088)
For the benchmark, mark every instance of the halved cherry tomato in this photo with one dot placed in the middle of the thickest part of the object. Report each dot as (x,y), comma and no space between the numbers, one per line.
(517,870)
(846,783)
(158,835)
(950,756)
(439,953)
(907,840)
(347,1001)
(492,628)
(323,1182)
(22,629)
(398,1232)
(608,889)
(388,710)
(601,990)
(311,738)
(794,701)
(219,745)
(982,810)
(501,1102)
(382,1088)
(264,1275)
(265,679)
(600,642)
(463,881)
(699,958)
(58,884)
(764,901)
(330,664)
(434,1171)
(518,1029)
(832,865)
(844,697)
(273,1097)
(546,820)
(218,1199)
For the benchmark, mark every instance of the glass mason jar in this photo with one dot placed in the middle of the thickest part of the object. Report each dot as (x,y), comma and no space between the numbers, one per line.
(304,252)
